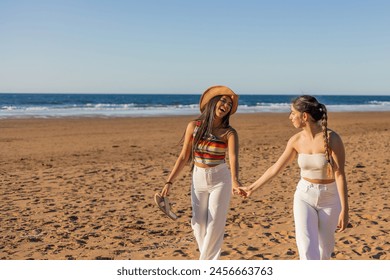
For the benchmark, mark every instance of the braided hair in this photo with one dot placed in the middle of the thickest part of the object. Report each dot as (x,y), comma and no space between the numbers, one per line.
(309,104)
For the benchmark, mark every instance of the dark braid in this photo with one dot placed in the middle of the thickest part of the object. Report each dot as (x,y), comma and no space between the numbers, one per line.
(309,104)
(324,125)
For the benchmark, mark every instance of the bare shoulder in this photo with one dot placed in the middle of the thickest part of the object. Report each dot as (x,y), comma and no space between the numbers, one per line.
(192,124)
(191,127)
(231,131)
(334,138)
(295,138)
(296,142)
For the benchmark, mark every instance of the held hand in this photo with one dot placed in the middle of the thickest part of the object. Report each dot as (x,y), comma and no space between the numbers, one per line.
(247,191)
(343,221)
(236,189)
(165,190)
(239,192)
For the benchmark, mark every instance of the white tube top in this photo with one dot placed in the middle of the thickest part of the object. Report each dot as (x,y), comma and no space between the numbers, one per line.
(313,166)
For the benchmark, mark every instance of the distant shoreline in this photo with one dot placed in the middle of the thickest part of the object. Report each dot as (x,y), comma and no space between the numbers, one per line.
(190,115)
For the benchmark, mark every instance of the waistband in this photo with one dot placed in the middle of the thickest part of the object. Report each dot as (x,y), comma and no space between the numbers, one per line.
(212,169)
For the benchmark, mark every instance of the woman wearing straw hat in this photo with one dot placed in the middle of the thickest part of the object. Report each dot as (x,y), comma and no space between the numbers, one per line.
(205,144)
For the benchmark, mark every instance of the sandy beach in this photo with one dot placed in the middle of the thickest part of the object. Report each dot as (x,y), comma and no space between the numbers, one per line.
(82,188)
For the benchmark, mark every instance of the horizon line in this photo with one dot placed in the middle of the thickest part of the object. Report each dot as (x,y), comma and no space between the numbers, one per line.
(161,93)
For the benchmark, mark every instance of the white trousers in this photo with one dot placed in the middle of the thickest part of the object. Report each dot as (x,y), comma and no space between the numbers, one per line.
(316,212)
(210,194)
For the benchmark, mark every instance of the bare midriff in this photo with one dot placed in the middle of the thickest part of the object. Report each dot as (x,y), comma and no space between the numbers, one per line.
(319,181)
(202,165)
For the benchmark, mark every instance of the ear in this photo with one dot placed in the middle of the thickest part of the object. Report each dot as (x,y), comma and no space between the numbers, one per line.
(305,116)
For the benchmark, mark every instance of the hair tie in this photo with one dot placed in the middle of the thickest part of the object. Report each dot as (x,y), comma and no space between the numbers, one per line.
(320,107)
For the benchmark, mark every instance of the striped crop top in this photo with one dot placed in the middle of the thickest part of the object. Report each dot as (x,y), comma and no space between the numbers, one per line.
(210,150)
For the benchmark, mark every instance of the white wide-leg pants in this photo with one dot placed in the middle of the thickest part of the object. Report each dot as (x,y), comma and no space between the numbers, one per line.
(210,194)
(316,212)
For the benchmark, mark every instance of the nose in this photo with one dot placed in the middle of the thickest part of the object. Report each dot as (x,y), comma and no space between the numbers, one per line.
(227,106)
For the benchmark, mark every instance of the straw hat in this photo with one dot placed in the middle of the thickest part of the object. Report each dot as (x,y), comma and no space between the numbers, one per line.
(216,91)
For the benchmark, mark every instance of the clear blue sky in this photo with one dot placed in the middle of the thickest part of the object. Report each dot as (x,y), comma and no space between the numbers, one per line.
(179,46)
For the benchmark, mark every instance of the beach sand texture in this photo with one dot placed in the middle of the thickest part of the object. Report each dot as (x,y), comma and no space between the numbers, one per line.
(82,188)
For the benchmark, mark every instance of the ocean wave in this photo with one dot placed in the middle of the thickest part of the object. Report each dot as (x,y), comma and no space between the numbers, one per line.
(64,105)
(135,111)
(379,103)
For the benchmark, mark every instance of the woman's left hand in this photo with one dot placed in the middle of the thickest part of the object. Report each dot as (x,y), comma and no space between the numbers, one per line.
(236,189)
(343,221)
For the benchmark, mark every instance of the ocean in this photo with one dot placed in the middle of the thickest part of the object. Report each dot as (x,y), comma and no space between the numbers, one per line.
(144,105)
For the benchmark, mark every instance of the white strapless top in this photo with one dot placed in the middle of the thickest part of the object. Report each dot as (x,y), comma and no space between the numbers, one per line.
(313,166)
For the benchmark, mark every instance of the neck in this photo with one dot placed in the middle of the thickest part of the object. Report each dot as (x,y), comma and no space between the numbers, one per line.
(217,123)
(312,129)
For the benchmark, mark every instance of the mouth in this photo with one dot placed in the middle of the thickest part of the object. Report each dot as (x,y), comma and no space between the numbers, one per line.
(223,110)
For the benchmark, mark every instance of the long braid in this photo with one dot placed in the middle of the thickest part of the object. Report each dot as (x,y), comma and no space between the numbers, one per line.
(324,125)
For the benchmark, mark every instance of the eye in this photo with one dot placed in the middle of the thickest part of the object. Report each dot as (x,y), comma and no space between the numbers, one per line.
(225,101)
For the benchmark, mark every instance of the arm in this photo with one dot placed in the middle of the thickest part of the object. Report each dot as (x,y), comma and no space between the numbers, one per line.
(182,159)
(233,148)
(338,155)
(287,156)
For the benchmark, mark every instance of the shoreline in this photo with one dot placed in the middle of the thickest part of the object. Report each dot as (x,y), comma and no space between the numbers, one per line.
(82,188)
(169,115)
(101,116)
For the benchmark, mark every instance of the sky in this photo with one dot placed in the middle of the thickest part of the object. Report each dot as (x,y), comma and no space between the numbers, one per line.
(180,46)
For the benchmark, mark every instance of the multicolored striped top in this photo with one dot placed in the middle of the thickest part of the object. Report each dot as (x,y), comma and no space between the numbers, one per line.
(210,150)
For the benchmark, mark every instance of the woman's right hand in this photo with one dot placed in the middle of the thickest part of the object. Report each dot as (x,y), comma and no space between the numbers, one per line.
(165,190)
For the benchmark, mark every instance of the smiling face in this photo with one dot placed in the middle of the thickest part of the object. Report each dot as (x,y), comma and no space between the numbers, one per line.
(223,107)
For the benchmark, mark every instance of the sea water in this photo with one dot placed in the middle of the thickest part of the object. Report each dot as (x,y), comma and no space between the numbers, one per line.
(143,105)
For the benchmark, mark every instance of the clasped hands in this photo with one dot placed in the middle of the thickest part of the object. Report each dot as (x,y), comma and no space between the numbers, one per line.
(241,191)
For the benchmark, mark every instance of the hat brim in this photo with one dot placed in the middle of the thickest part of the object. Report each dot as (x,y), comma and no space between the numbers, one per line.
(218,91)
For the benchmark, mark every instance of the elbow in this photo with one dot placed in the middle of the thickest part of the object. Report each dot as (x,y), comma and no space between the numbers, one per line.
(272,171)
(233,159)
(184,158)
(340,175)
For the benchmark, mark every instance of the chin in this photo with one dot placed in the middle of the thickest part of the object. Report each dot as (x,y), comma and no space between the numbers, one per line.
(220,115)
(296,126)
